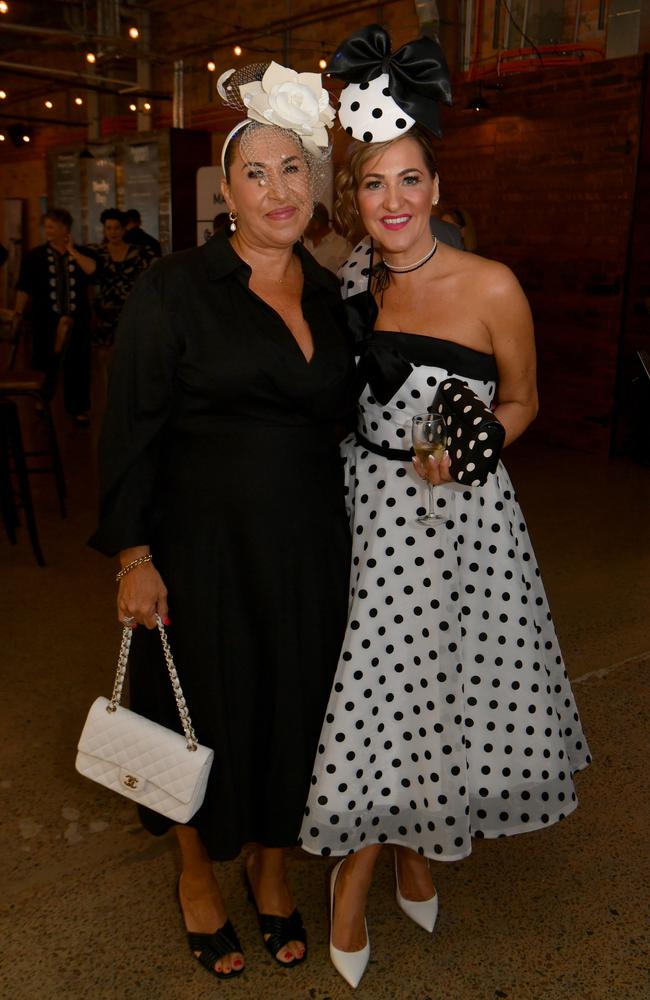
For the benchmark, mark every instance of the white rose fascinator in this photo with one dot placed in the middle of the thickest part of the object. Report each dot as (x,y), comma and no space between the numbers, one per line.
(286,104)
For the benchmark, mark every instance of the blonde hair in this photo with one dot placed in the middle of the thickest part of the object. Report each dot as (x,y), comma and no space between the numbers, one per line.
(346,214)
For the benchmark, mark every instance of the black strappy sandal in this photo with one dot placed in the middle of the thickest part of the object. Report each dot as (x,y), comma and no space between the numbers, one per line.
(212,947)
(281,930)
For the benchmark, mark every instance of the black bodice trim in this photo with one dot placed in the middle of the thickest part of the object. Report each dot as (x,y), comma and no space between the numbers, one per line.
(386,358)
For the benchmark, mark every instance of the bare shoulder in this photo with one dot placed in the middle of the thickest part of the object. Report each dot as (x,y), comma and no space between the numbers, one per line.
(494,280)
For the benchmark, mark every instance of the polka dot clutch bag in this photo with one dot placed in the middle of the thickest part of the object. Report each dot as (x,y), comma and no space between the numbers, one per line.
(474,435)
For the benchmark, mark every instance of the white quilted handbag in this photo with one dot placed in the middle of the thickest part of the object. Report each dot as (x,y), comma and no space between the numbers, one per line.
(140,759)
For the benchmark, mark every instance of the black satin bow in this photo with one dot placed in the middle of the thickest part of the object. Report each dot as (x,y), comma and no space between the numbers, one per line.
(418,74)
(381,365)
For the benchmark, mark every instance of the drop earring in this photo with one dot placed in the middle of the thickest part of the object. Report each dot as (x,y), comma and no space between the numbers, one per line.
(233,221)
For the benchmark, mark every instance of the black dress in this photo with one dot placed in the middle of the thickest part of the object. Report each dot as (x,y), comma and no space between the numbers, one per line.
(219,450)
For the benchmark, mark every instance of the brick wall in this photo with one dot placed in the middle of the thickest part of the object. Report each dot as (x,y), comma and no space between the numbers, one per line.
(548,175)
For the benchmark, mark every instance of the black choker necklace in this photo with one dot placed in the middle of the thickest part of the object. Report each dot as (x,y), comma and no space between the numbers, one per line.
(382,271)
(418,263)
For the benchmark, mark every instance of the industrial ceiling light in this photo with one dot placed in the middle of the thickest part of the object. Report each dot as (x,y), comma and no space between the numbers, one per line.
(212,66)
(20,135)
(477,102)
(133,32)
(237,50)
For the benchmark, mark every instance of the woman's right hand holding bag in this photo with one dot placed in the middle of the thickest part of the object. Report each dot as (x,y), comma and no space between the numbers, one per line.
(141,593)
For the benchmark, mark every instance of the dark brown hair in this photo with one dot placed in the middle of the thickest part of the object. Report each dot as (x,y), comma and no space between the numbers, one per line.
(60,215)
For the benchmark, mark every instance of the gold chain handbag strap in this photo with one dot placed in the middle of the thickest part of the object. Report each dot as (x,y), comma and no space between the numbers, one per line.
(116,697)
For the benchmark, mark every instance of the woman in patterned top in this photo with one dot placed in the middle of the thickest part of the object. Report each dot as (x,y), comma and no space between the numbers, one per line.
(53,283)
(118,265)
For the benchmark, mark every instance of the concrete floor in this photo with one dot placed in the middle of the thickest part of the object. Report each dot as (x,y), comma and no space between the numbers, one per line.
(87,903)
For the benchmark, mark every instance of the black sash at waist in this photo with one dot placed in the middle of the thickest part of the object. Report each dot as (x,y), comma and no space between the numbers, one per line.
(394,454)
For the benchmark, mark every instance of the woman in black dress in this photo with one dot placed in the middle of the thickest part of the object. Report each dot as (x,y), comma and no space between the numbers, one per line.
(219,459)
(119,264)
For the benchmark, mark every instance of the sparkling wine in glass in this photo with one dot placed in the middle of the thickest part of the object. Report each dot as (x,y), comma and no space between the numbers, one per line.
(429,438)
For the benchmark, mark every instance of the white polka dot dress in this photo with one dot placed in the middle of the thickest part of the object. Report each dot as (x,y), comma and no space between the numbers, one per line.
(451,714)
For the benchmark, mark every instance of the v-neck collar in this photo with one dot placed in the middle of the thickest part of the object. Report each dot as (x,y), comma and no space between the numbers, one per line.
(221,260)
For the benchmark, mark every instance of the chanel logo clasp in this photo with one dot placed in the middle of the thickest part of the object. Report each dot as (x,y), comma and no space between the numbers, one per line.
(130,781)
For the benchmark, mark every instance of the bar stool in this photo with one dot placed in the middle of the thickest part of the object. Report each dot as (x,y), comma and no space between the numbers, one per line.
(12,462)
(40,387)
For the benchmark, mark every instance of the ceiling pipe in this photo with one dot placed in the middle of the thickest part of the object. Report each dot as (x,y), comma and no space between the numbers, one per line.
(178,107)
(448,31)
(29,29)
(82,80)
(45,121)
(101,40)
(242,35)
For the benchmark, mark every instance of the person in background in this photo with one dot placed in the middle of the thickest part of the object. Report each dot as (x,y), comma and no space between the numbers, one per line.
(220,222)
(463,221)
(53,284)
(446,231)
(136,234)
(323,242)
(119,263)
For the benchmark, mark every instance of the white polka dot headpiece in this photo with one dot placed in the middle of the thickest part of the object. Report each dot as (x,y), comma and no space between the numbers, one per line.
(387,94)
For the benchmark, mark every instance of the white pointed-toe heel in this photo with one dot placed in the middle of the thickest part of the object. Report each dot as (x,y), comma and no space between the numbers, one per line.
(423,913)
(350,964)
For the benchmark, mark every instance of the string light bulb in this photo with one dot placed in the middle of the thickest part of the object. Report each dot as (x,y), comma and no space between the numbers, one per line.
(91,58)
(212,66)
(322,63)
(133,32)
(133,107)
(78,101)
(146,106)
(237,50)
(2,137)
(3,95)
(27,138)
(49,105)
(4,9)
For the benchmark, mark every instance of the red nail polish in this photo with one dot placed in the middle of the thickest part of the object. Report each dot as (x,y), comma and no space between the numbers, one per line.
(237,964)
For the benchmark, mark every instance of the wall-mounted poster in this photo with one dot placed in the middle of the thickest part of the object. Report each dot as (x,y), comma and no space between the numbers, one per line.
(209,201)
(66,188)
(100,179)
(141,183)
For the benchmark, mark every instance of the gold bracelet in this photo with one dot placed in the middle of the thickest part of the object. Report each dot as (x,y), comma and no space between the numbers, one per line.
(140,561)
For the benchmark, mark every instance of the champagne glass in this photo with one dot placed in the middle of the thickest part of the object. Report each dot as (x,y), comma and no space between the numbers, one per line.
(429,433)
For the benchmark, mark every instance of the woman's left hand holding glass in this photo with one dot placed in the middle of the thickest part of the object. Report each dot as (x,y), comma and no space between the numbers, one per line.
(434,471)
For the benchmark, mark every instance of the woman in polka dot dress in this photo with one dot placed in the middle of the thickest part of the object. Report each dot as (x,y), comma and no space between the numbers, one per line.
(451,715)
